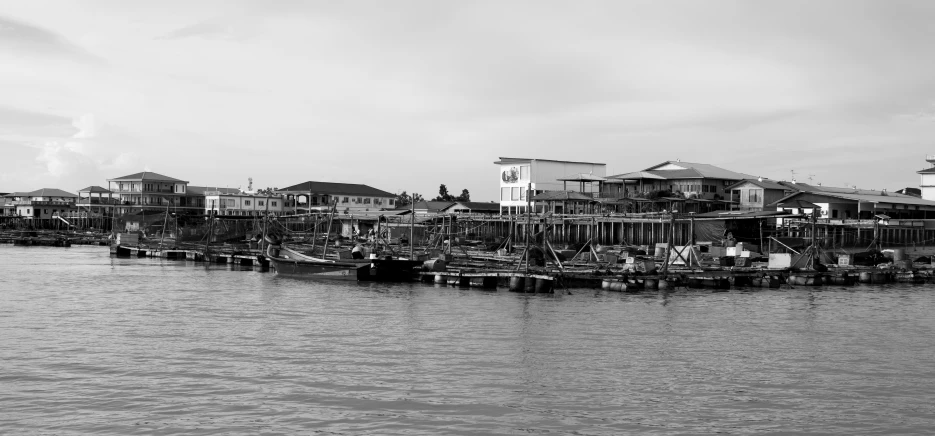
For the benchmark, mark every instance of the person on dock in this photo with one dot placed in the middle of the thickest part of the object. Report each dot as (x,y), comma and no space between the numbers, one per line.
(357,252)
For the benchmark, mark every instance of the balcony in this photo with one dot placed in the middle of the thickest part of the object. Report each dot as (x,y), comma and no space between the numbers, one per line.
(42,203)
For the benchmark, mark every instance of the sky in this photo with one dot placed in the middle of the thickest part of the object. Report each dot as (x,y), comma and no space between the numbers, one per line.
(407,95)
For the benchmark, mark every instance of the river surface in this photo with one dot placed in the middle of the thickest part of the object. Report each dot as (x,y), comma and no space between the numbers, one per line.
(91,344)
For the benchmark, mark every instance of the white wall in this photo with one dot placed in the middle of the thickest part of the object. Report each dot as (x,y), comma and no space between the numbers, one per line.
(544,176)
(928,187)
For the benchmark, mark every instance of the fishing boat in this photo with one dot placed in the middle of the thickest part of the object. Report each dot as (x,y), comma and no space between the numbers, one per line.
(292,263)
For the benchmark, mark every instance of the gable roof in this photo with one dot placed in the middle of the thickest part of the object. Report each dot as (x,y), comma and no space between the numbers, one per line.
(96,189)
(46,192)
(927,171)
(147,175)
(765,184)
(582,177)
(336,188)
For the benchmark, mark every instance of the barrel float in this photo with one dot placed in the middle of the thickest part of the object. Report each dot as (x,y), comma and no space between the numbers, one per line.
(605,284)
(517,284)
(530,285)
(813,280)
(434,265)
(464,282)
(651,284)
(617,286)
(441,279)
(865,277)
(694,283)
(663,284)
(634,284)
(742,281)
(878,278)
(427,278)
(543,286)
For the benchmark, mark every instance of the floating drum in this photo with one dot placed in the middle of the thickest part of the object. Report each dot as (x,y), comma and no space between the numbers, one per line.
(617,286)
(517,284)
(663,284)
(441,279)
(530,284)
(694,283)
(434,265)
(605,284)
(899,254)
(464,282)
(651,284)
(543,286)
(878,278)
(865,277)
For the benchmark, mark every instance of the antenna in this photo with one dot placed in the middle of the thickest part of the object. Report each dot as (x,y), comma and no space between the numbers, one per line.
(810,178)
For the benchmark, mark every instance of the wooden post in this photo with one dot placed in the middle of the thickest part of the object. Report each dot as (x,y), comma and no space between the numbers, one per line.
(165,222)
(324,248)
(412,224)
(665,265)
(526,232)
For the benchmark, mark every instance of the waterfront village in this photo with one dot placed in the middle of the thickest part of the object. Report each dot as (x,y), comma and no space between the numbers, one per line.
(573,213)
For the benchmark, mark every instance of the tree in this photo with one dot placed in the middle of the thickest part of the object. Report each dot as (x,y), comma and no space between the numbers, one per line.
(443,194)
(405,199)
(465,196)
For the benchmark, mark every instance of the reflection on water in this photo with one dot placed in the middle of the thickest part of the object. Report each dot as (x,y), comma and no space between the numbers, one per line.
(92,344)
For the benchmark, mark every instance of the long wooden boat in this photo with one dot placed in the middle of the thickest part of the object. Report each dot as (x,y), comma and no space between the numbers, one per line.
(292,263)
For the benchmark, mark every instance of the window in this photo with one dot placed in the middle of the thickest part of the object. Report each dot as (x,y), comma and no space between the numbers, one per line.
(834,213)
(45,211)
(246,202)
(359,200)
(522,193)
(366,201)
(514,195)
(273,203)
(524,172)
(504,194)
(391,201)
(345,200)
(261,203)
(231,202)
(754,196)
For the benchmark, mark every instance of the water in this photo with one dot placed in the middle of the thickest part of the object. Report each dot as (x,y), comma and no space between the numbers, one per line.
(93,344)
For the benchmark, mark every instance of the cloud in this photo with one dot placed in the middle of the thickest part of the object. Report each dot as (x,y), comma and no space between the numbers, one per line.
(29,39)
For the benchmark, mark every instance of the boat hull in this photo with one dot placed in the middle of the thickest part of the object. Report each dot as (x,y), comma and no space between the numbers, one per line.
(295,264)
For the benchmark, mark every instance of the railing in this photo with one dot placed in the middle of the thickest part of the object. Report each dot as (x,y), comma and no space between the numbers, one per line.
(42,203)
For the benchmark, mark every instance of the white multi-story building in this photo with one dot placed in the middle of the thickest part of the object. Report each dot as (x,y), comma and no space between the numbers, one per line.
(517,174)
(319,196)
(928,179)
(232,202)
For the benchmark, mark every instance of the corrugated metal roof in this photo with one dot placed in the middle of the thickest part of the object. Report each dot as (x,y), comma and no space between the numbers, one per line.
(636,175)
(332,188)
(875,197)
(476,205)
(561,196)
(582,177)
(511,160)
(765,184)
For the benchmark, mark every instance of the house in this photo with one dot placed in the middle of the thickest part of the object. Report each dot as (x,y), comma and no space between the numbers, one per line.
(756,194)
(851,203)
(43,203)
(540,175)
(473,207)
(95,202)
(234,202)
(319,196)
(148,191)
(690,180)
